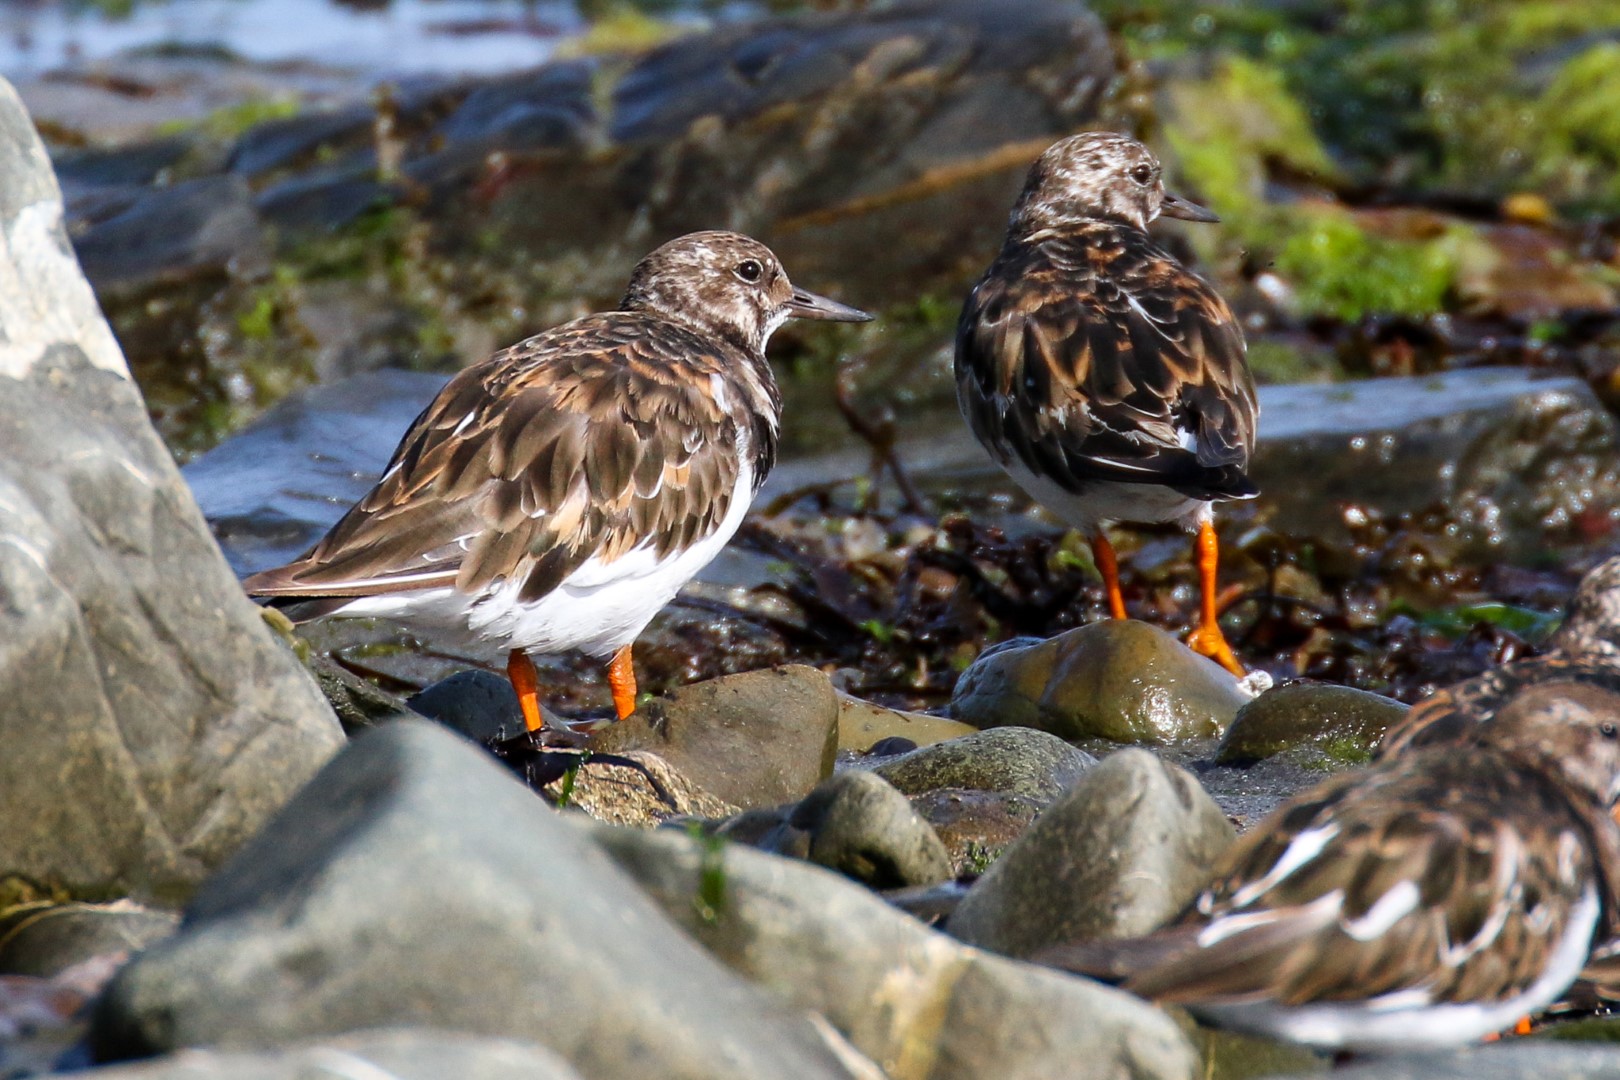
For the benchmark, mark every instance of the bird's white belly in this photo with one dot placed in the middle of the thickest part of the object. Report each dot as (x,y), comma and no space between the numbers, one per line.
(1107,500)
(598,609)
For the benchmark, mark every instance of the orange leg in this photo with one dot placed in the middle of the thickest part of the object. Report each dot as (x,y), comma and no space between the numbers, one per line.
(1207,639)
(526,681)
(1108,566)
(622,678)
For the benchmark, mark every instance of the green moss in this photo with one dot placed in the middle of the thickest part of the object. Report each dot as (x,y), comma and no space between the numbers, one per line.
(1338,268)
(231,121)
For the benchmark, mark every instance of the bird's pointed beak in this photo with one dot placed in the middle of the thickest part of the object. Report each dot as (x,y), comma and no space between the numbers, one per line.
(1175,206)
(808,305)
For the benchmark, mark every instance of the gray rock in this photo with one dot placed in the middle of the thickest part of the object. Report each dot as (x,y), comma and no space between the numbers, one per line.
(911,999)
(862,827)
(416,1054)
(45,940)
(415,882)
(180,233)
(479,705)
(152,723)
(639,788)
(1514,1059)
(1119,679)
(1125,849)
(1516,459)
(760,738)
(975,826)
(1011,760)
(1340,721)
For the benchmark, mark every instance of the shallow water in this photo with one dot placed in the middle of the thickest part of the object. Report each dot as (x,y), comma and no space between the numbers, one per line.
(396,37)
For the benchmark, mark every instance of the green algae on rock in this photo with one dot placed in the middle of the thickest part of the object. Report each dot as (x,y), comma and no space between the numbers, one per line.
(1341,722)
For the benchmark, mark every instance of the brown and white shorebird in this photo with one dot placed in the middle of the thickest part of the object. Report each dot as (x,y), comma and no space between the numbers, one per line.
(558,494)
(1426,901)
(1105,377)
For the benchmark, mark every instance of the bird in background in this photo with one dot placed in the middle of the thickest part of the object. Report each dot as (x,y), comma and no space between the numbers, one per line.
(558,494)
(1427,901)
(1104,376)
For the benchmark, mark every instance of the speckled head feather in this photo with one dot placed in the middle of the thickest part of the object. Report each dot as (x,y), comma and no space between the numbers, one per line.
(1592,627)
(643,431)
(726,284)
(1102,176)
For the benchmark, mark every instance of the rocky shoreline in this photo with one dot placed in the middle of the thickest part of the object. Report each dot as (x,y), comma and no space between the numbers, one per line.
(229,855)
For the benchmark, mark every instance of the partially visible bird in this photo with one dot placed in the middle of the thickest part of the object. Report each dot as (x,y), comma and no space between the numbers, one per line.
(1426,901)
(558,494)
(1585,649)
(1104,376)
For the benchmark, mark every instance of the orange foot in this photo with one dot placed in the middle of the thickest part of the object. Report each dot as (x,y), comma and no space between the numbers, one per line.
(622,678)
(526,681)
(1207,639)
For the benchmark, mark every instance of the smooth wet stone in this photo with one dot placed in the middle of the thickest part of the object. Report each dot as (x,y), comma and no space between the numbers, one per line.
(862,725)
(860,826)
(1119,679)
(399,1054)
(151,722)
(1014,761)
(641,790)
(916,1002)
(1516,459)
(975,826)
(1126,847)
(479,705)
(1340,721)
(44,940)
(415,882)
(759,738)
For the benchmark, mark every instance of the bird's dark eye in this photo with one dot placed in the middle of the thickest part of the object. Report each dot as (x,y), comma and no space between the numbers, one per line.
(750,270)
(1142,174)
(1609,731)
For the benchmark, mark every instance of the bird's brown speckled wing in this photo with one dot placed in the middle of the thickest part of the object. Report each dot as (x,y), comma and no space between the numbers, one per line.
(1454,713)
(589,440)
(1337,898)
(1090,354)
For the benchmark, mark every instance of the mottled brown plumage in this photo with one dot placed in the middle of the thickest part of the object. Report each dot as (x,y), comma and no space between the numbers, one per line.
(1087,353)
(1584,650)
(557,494)
(1105,377)
(1424,901)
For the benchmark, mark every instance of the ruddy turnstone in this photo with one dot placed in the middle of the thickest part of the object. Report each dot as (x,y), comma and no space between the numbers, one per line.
(558,494)
(1585,649)
(1425,901)
(1106,378)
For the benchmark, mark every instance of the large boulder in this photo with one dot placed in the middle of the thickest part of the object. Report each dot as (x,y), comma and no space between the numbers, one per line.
(415,882)
(152,723)
(919,1004)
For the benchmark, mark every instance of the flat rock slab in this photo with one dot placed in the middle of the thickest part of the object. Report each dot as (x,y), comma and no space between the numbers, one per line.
(921,1005)
(759,738)
(1123,850)
(1515,1059)
(152,724)
(415,1054)
(414,882)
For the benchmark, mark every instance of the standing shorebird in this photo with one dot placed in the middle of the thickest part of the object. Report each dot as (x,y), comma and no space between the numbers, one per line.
(558,494)
(1106,378)
(1426,901)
